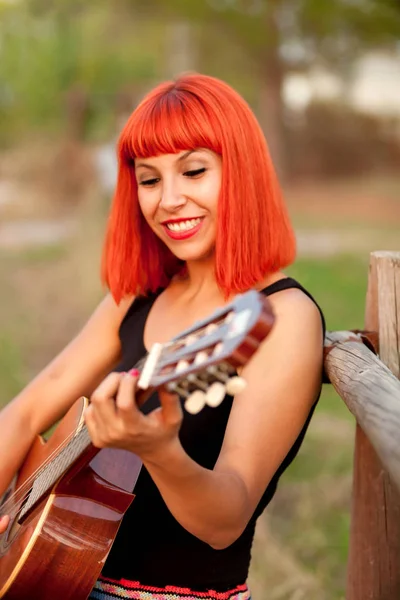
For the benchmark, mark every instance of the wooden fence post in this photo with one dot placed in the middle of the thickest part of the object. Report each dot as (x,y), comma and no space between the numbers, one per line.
(374,553)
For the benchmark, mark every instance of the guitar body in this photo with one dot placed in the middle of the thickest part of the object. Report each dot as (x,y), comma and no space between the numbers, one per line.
(59,548)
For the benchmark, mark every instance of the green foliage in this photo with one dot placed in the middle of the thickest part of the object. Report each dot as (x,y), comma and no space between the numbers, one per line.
(339,30)
(45,55)
(48,47)
(329,30)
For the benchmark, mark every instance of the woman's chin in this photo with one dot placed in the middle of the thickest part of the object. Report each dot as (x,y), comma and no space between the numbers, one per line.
(191,250)
(193,255)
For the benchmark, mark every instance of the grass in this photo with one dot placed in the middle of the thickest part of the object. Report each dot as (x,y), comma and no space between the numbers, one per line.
(301,543)
(309,517)
(339,285)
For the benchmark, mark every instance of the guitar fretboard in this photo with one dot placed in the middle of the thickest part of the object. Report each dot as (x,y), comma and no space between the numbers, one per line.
(52,472)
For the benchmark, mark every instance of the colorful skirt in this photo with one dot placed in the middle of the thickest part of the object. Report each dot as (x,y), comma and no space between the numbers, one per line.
(108,589)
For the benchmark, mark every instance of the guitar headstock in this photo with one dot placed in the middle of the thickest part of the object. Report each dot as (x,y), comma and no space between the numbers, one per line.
(200,364)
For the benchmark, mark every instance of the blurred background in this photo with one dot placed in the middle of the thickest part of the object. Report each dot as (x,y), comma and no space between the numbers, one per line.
(323,78)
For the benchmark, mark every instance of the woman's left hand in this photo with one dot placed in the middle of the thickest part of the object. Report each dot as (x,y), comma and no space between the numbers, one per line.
(114,420)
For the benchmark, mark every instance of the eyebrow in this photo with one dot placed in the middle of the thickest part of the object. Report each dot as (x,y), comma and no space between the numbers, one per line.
(180,159)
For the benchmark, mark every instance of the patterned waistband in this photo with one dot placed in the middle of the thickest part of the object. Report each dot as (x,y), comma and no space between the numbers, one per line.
(108,589)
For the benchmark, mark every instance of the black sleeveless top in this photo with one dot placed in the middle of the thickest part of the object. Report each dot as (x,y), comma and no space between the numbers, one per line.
(151,546)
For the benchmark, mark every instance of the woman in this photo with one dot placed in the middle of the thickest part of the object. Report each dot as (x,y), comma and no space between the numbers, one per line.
(197,217)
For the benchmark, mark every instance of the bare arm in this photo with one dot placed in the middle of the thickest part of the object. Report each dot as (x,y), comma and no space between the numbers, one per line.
(283,381)
(76,371)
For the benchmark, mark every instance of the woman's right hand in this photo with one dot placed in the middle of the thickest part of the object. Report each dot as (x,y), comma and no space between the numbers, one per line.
(4,521)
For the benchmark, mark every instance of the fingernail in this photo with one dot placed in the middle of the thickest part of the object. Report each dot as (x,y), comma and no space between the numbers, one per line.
(134,372)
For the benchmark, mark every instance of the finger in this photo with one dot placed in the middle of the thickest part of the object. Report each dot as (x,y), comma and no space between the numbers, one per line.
(4,521)
(107,388)
(105,411)
(92,426)
(125,399)
(171,407)
(102,398)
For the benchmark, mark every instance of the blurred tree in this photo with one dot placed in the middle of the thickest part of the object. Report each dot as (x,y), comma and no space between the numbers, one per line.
(49,48)
(115,49)
(280,36)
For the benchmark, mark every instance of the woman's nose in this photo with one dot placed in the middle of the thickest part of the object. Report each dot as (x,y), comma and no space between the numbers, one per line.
(172,198)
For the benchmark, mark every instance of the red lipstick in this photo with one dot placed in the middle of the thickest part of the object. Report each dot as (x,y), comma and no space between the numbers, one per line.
(184,234)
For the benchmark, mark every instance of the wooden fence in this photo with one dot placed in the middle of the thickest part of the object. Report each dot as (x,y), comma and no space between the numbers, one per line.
(370,387)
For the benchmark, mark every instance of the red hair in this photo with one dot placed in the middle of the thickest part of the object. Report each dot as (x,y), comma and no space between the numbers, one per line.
(254,235)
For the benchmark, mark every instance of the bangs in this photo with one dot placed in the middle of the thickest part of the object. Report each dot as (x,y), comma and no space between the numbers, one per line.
(167,123)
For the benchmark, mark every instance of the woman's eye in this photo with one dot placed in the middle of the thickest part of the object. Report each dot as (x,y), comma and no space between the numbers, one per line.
(195,172)
(149,182)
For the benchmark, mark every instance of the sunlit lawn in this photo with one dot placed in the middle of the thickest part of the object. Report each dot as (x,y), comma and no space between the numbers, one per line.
(306,527)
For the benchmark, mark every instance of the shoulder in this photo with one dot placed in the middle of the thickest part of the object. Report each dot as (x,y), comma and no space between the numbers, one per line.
(294,346)
(289,298)
(293,308)
(298,328)
(124,305)
(109,311)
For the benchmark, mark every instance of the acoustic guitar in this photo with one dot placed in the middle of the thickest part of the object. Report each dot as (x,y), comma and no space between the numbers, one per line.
(67,501)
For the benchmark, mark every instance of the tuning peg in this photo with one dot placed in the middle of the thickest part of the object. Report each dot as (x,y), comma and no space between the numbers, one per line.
(229,317)
(215,394)
(235,385)
(218,349)
(195,402)
(191,339)
(211,328)
(200,358)
(182,366)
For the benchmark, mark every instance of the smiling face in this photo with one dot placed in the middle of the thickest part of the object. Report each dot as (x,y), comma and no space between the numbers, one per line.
(178,196)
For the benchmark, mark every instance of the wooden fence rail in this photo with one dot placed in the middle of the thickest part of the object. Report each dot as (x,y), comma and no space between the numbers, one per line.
(371,393)
(371,390)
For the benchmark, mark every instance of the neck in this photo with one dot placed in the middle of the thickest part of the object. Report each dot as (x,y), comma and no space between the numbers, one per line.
(201,277)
